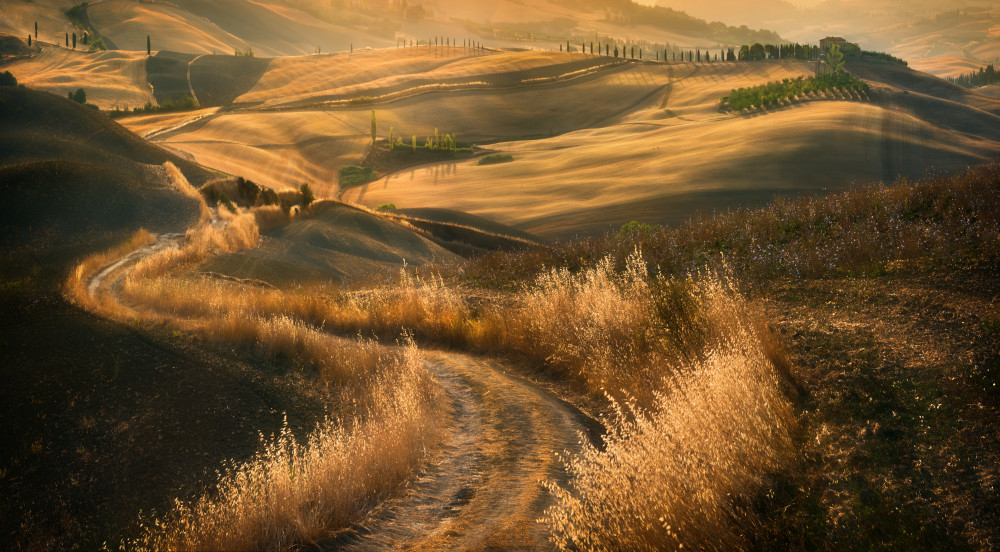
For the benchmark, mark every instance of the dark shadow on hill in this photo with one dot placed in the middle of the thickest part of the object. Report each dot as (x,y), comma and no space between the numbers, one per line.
(219,80)
(38,126)
(167,74)
(102,420)
(334,242)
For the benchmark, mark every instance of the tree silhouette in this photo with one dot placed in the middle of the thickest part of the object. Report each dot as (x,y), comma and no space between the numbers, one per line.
(373,127)
(67,40)
(36,30)
(148,46)
(74,41)
(29,39)
(307,194)
(835,59)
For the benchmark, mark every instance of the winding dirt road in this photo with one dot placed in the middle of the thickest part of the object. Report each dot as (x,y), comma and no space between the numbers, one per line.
(484,490)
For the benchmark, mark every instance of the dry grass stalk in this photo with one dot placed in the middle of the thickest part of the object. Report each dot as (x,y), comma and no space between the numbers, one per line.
(293,493)
(673,477)
(290,493)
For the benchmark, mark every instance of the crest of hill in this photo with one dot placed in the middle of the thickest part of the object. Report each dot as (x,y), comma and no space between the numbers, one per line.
(336,241)
(68,174)
(39,126)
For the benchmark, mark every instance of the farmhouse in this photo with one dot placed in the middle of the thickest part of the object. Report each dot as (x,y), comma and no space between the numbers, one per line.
(825,43)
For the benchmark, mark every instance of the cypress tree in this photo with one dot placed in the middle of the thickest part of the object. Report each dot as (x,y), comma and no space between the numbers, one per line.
(67,40)
(149,48)
(29,39)
(36,30)
(74,41)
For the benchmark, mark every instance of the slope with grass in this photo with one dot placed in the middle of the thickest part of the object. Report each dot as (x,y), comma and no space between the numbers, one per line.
(112,79)
(670,158)
(333,242)
(310,143)
(641,141)
(169,27)
(101,419)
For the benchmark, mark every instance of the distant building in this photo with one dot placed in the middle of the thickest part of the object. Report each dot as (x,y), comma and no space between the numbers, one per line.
(825,43)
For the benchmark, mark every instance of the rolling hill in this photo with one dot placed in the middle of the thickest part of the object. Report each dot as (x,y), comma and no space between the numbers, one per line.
(629,139)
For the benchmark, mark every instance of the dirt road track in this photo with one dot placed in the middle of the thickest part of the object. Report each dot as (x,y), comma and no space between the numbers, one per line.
(484,490)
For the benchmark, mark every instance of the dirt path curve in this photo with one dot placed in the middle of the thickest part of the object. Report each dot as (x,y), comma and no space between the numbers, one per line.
(485,488)
(191,86)
(112,273)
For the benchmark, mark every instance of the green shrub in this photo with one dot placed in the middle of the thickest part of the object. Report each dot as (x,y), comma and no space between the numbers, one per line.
(307,194)
(772,93)
(268,197)
(386,207)
(353,175)
(496,158)
(7,79)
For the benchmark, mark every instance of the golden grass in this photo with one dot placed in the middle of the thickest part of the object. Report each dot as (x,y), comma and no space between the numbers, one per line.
(675,476)
(290,493)
(295,493)
(76,285)
(705,420)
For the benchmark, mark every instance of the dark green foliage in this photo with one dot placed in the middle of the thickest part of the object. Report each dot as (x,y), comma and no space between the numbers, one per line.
(772,93)
(74,41)
(268,197)
(353,175)
(635,227)
(7,79)
(386,207)
(985,75)
(757,52)
(307,194)
(496,158)
(185,103)
(80,96)
(224,200)
(149,47)
(865,54)
(248,190)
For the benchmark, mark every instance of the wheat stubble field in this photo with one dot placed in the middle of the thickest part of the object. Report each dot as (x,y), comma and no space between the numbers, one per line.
(456,297)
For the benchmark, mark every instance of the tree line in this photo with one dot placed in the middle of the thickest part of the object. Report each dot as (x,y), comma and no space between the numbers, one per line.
(985,75)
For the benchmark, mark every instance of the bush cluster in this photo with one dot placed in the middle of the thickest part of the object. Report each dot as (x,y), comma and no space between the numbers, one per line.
(354,175)
(772,93)
(185,103)
(496,158)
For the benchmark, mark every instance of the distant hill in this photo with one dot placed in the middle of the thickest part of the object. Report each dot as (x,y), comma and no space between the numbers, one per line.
(335,242)
(68,173)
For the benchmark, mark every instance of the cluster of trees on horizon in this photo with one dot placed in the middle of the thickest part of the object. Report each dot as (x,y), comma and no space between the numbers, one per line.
(985,75)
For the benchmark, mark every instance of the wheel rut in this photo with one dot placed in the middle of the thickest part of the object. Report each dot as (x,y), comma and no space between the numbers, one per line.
(485,488)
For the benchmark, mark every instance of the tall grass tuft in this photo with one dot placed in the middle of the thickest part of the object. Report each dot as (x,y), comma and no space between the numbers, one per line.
(293,493)
(674,475)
